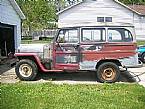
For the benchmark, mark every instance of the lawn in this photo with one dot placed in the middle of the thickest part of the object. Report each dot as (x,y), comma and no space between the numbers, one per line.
(141,42)
(34,42)
(50,96)
(47,41)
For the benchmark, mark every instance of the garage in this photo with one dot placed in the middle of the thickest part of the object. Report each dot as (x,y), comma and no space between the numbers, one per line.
(7,44)
(11,17)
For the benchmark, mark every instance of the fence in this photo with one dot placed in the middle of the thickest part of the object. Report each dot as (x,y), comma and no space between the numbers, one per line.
(36,35)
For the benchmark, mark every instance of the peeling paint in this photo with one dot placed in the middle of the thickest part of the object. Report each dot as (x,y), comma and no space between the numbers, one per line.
(129,61)
(88,65)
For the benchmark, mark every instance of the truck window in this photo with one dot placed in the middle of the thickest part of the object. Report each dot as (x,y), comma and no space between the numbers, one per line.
(93,34)
(68,36)
(119,35)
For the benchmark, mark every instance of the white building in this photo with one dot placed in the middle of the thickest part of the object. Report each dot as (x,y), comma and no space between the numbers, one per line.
(94,12)
(10,26)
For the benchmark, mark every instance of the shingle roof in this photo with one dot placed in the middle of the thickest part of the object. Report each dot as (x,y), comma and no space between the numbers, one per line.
(138,8)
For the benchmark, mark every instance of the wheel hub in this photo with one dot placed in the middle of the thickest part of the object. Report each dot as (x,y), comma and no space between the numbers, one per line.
(108,74)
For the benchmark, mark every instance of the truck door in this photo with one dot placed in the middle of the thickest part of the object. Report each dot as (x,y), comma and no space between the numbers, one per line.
(66,50)
(91,45)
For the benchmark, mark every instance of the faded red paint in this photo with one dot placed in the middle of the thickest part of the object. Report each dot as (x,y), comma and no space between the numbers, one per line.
(104,50)
(111,51)
(38,62)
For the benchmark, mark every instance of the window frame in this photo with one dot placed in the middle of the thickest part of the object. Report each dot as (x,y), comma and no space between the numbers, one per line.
(109,19)
(112,28)
(67,29)
(99,28)
(100,18)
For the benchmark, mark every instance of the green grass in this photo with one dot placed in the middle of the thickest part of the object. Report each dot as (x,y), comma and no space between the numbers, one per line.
(47,41)
(34,42)
(50,96)
(140,42)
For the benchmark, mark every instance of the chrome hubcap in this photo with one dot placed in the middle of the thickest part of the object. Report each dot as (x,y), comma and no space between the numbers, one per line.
(25,70)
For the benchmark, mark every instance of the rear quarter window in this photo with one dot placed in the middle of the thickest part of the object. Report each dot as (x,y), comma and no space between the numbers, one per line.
(119,35)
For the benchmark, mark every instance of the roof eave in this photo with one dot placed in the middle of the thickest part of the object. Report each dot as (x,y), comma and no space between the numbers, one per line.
(114,0)
(17,9)
(129,8)
(68,8)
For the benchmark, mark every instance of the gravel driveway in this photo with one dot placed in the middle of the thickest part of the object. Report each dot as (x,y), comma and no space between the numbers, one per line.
(75,78)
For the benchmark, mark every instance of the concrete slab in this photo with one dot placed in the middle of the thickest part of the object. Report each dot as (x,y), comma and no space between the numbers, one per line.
(140,72)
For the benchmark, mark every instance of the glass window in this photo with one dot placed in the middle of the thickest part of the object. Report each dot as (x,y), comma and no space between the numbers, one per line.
(68,36)
(100,19)
(119,35)
(108,19)
(93,35)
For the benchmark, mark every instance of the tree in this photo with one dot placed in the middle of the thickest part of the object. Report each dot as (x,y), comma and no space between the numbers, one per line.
(38,13)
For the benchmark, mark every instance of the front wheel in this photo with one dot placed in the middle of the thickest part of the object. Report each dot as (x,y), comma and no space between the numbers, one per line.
(26,70)
(108,72)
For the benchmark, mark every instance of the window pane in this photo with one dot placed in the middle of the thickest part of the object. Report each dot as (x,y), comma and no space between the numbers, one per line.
(108,19)
(68,36)
(114,35)
(119,35)
(72,36)
(93,35)
(100,19)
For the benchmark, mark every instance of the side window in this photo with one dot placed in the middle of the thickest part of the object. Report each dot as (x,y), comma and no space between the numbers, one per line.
(114,35)
(68,36)
(93,35)
(119,35)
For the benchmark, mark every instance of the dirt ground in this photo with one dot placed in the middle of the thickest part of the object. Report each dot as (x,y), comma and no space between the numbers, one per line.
(73,77)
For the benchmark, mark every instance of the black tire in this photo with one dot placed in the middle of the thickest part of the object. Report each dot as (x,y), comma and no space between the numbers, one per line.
(26,70)
(108,72)
(143,57)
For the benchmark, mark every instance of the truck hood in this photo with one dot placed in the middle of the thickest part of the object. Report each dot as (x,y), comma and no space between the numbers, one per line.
(41,50)
(35,48)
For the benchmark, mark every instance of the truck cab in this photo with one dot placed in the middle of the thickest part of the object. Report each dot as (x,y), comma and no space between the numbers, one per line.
(103,49)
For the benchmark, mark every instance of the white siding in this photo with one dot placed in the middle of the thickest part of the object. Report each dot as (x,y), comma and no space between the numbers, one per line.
(140,28)
(87,12)
(9,16)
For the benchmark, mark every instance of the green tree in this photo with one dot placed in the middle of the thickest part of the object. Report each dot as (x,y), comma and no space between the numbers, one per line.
(38,13)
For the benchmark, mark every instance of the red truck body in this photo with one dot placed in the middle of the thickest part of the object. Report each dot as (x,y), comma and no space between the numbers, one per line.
(86,49)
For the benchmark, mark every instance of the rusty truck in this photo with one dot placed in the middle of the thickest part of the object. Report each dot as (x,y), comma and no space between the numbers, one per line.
(102,49)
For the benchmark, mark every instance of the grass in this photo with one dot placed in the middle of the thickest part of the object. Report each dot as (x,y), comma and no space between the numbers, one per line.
(34,42)
(47,41)
(50,96)
(140,42)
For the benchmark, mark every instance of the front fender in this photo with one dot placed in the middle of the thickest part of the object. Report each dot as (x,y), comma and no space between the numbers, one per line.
(31,56)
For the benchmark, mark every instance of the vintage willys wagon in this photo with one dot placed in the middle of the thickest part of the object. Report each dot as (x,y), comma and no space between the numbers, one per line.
(103,49)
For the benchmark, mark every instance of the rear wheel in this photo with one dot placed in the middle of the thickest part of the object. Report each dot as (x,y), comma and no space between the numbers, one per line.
(143,57)
(108,72)
(26,70)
